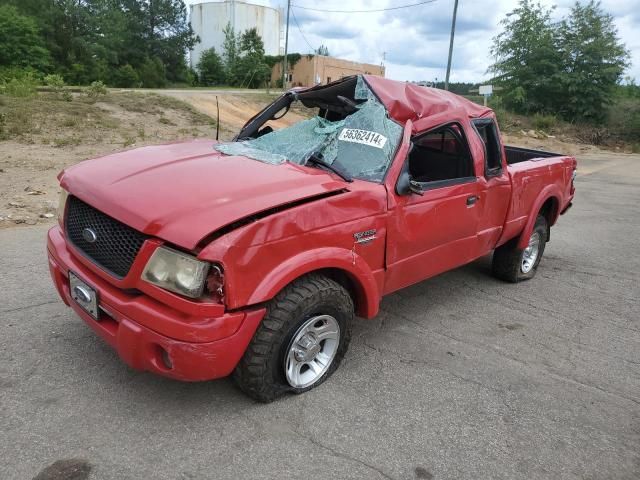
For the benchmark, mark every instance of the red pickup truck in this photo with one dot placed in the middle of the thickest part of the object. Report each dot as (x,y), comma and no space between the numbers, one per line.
(202,259)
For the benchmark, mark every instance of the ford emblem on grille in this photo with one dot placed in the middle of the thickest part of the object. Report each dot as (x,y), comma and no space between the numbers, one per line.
(89,235)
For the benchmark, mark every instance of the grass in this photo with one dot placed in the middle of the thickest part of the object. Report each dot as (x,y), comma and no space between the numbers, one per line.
(29,116)
(545,123)
(66,141)
(69,122)
(182,86)
(155,104)
(128,141)
(624,119)
(166,121)
(621,129)
(49,119)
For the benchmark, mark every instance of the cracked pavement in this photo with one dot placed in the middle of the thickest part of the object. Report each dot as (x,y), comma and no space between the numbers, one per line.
(459,377)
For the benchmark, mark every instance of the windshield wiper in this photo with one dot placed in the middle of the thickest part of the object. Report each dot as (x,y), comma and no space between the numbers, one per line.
(317,158)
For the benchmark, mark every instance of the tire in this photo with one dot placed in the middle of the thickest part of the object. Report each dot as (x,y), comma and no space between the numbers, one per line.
(515,265)
(305,311)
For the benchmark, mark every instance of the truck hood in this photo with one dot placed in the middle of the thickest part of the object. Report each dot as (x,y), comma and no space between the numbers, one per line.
(182,192)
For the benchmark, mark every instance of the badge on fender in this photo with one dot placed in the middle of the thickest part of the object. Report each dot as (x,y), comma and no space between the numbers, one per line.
(365,237)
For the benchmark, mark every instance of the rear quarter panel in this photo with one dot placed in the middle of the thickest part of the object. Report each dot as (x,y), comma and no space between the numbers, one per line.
(534,182)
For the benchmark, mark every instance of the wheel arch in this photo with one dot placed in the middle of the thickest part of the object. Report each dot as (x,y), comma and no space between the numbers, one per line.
(548,205)
(343,266)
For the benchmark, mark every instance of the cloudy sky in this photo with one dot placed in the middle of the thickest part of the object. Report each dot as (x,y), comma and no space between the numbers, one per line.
(414,41)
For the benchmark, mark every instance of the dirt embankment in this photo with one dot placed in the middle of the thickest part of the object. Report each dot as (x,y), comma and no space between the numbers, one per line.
(235,108)
(40,136)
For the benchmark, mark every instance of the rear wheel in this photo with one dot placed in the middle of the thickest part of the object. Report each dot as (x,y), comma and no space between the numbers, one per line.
(513,264)
(300,342)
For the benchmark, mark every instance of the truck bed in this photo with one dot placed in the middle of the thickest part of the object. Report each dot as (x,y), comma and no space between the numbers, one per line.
(531,172)
(518,154)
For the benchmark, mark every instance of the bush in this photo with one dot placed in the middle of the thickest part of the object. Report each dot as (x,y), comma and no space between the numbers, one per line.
(507,120)
(20,87)
(125,76)
(54,81)
(544,122)
(96,89)
(623,119)
(191,77)
(152,73)
(56,85)
(18,82)
(3,126)
(210,68)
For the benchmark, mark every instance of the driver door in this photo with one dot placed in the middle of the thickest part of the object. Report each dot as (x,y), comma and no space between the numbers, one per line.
(434,230)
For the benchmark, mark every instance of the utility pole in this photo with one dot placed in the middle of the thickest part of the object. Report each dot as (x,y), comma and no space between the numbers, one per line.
(453,31)
(286,48)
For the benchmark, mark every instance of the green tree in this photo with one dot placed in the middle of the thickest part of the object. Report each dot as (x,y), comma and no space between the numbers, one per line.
(230,53)
(210,68)
(21,44)
(323,50)
(152,73)
(527,63)
(125,76)
(252,70)
(168,35)
(90,39)
(593,59)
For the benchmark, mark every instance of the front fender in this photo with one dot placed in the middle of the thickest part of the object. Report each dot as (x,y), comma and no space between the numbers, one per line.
(550,191)
(348,261)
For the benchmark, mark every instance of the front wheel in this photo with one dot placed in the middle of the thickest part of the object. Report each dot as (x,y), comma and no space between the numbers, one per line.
(513,264)
(300,342)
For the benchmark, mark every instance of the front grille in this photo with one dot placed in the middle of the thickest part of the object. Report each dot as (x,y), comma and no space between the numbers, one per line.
(116,244)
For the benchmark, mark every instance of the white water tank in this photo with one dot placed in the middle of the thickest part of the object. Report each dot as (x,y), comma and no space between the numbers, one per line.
(209,19)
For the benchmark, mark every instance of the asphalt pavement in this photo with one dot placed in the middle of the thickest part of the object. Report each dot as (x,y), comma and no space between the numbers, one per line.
(459,377)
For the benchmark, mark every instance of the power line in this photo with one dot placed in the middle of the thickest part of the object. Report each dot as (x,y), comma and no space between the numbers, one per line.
(301,32)
(364,11)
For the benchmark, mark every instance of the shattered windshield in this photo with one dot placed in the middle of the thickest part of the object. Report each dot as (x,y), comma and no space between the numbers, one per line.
(362,144)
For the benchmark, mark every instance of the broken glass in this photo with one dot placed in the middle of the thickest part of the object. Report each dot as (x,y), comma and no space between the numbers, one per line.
(362,144)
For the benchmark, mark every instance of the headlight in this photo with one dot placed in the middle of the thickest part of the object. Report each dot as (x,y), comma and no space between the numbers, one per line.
(62,202)
(176,271)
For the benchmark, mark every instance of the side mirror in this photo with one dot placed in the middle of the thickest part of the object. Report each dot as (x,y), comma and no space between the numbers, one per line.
(406,186)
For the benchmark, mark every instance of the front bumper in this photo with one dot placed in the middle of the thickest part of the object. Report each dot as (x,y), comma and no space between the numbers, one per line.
(151,335)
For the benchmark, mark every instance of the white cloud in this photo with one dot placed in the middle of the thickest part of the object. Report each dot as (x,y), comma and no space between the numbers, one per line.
(415,40)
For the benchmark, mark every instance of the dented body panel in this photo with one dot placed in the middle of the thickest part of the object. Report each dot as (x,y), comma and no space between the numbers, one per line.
(266,255)
(266,225)
(182,192)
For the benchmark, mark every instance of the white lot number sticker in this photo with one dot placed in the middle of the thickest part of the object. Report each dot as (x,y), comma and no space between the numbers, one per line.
(364,137)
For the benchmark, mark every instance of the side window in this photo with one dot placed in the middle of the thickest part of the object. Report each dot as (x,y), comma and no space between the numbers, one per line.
(488,132)
(441,156)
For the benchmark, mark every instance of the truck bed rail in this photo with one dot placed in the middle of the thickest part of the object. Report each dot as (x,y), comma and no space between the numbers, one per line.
(518,154)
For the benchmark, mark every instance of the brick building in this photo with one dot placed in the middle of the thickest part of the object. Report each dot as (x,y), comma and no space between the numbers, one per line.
(315,69)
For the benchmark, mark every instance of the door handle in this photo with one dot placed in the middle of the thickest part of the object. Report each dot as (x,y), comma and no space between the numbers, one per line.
(472,200)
